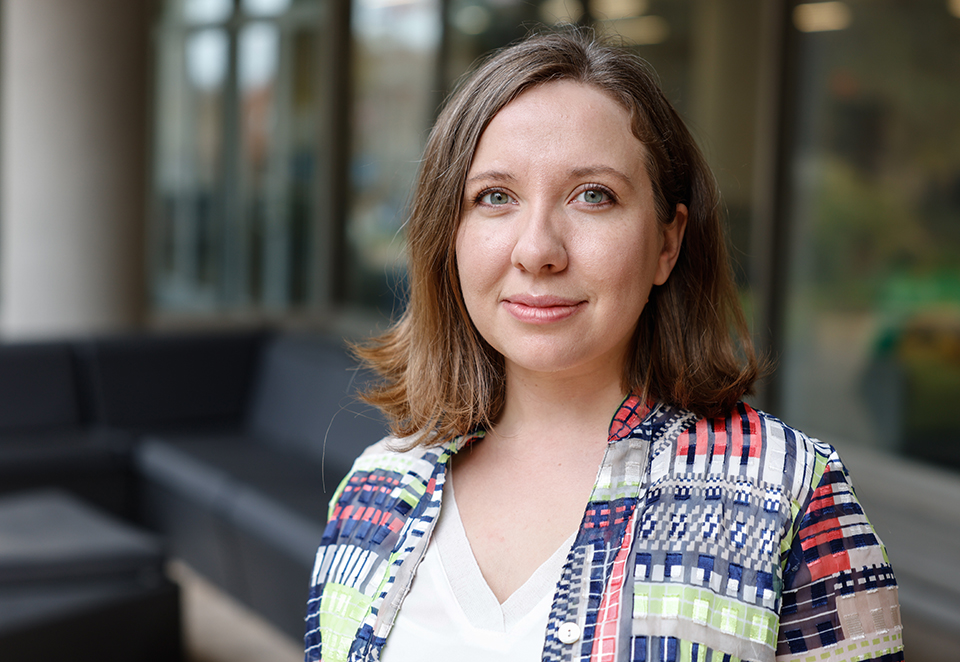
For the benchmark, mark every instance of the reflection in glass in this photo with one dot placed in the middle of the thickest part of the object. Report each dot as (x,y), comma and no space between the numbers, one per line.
(873,352)
(394,85)
(235,152)
(188,165)
(822,16)
(207,53)
(265,8)
(259,55)
(557,12)
(263,221)
(207,11)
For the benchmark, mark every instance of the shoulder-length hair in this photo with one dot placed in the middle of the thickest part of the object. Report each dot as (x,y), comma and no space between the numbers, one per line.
(692,348)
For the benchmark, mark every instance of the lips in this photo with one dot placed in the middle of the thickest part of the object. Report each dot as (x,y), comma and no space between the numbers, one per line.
(543,309)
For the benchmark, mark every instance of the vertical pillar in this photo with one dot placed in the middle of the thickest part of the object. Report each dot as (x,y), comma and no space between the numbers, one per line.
(73,165)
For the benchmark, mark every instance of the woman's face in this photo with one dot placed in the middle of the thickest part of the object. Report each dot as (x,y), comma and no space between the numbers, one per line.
(559,244)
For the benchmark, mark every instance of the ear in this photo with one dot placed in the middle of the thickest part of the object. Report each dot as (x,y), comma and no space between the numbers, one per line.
(672,239)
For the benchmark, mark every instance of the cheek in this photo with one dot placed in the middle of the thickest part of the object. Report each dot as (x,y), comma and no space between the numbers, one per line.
(627,275)
(470,273)
(480,258)
(465,266)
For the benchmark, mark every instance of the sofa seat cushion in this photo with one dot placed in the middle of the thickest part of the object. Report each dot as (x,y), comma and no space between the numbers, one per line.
(91,464)
(76,584)
(51,537)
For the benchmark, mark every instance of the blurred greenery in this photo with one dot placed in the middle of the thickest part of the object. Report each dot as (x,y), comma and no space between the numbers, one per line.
(875,303)
(888,186)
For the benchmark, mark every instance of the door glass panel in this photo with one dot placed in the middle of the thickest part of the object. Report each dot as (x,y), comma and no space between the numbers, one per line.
(204,11)
(873,332)
(395,97)
(236,144)
(188,167)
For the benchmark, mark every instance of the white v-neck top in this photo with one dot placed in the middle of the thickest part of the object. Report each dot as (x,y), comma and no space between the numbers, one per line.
(451,613)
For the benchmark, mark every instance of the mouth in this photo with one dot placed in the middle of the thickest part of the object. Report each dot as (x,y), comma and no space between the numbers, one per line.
(543,309)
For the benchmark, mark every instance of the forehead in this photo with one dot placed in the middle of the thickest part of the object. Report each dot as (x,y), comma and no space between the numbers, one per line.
(559,122)
(564,98)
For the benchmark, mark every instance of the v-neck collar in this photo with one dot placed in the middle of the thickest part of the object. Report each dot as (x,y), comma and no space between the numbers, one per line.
(477,601)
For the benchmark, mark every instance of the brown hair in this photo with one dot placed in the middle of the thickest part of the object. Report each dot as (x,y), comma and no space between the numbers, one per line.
(691,349)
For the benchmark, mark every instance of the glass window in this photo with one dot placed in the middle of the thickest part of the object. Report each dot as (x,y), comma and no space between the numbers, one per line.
(263,8)
(395,86)
(201,11)
(873,330)
(236,144)
(188,166)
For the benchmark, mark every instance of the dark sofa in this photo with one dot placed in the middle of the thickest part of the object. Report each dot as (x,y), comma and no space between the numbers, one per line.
(227,444)
(46,439)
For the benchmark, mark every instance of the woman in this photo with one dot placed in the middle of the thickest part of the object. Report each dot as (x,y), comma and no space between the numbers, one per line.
(573,475)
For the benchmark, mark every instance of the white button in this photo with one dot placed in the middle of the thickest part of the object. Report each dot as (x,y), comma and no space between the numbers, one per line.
(568,633)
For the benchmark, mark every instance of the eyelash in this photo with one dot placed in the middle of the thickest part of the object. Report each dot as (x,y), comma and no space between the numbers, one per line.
(611,198)
(477,200)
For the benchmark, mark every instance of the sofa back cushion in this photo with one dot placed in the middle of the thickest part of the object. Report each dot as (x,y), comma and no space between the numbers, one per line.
(37,387)
(305,399)
(169,381)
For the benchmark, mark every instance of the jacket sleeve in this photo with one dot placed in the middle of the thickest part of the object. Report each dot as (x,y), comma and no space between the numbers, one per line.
(322,603)
(839,599)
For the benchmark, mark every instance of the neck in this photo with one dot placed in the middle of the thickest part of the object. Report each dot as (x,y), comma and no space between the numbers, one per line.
(573,407)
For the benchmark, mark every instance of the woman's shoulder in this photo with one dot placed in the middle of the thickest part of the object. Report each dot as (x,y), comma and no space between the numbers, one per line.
(750,446)
(391,469)
(747,432)
(404,459)
(402,450)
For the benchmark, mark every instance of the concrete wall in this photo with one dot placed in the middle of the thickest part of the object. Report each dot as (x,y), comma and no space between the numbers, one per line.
(73,165)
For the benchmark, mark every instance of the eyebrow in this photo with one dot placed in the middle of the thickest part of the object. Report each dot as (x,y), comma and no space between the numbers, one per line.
(584,171)
(495,175)
(587,171)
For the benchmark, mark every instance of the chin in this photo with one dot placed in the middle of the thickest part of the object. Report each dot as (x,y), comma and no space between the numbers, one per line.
(546,361)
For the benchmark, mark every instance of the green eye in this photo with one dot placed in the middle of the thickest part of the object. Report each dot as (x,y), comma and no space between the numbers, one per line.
(495,198)
(594,196)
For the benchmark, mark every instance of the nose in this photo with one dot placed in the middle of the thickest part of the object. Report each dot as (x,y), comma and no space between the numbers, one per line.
(540,245)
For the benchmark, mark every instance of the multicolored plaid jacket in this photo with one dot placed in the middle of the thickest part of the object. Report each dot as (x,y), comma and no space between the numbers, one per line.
(704,540)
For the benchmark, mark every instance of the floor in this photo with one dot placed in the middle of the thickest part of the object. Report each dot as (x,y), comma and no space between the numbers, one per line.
(217,628)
